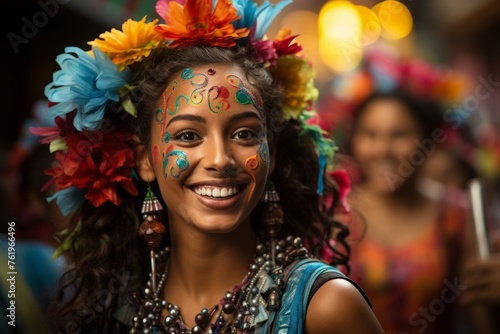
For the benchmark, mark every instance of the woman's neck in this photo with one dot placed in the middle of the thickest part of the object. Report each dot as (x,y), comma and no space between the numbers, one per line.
(202,266)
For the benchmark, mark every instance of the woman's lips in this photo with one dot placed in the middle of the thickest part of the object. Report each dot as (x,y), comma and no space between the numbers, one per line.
(218,197)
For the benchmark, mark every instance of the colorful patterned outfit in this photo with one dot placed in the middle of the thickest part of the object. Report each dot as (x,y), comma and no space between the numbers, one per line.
(413,288)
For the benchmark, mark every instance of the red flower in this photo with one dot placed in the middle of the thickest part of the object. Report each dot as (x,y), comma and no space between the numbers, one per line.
(286,47)
(63,128)
(97,161)
(283,43)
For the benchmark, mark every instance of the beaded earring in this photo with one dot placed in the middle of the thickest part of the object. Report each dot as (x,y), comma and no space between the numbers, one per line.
(272,215)
(151,228)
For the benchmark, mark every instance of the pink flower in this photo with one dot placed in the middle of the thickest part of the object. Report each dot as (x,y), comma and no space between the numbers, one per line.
(343,181)
(265,52)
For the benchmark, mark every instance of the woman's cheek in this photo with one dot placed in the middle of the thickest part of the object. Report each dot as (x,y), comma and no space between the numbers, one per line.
(175,162)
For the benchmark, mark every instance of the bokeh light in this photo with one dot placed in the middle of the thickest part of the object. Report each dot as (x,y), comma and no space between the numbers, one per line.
(395,18)
(339,32)
(305,23)
(370,26)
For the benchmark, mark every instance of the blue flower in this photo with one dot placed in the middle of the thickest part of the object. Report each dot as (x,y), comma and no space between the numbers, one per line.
(261,16)
(86,84)
(68,199)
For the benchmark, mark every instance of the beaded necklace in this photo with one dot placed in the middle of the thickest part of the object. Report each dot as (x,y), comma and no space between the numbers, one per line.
(239,310)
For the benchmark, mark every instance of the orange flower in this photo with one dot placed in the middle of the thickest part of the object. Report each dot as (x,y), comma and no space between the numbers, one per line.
(196,23)
(135,42)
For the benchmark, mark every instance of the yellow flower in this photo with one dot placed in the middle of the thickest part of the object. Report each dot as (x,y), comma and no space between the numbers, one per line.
(135,42)
(296,77)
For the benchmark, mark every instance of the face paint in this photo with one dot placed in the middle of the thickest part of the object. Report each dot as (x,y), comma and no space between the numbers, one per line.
(246,95)
(264,153)
(154,154)
(198,80)
(219,93)
(251,164)
(161,114)
(181,162)
(166,137)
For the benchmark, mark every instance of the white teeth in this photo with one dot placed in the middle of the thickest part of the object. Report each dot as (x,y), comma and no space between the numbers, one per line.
(218,192)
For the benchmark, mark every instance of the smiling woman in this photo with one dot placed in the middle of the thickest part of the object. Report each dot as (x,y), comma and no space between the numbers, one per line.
(211,155)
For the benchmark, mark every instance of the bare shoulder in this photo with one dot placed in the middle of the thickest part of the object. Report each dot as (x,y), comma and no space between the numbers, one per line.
(338,307)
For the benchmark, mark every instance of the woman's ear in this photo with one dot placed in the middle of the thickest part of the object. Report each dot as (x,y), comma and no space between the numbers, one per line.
(142,162)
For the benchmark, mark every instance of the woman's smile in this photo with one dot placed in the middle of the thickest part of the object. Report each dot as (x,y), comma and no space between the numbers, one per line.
(216,192)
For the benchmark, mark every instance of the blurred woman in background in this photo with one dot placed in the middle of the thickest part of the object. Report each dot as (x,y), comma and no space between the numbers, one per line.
(412,244)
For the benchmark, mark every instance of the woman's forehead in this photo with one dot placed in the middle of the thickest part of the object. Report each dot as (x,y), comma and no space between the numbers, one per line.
(218,87)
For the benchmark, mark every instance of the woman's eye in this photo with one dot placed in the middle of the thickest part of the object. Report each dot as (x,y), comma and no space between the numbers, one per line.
(187,136)
(245,135)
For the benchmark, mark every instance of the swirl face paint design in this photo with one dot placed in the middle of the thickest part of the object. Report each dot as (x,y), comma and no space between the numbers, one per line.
(264,153)
(181,163)
(251,164)
(198,80)
(217,99)
(246,95)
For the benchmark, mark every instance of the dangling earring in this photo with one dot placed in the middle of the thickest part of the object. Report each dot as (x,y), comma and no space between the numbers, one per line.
(152,228)
(272,214)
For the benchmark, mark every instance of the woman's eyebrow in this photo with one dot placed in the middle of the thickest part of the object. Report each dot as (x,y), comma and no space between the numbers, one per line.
(244,115)
(187,117)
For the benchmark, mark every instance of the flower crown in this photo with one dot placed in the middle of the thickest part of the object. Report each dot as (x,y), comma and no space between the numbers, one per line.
(95,157)
(385,71)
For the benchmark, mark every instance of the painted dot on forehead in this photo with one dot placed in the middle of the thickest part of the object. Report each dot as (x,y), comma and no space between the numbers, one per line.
(211,71)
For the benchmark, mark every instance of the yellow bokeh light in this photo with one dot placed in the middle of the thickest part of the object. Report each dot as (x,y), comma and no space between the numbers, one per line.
(370,26)
(339,31)
(395,19)
(339,21)
(341,56)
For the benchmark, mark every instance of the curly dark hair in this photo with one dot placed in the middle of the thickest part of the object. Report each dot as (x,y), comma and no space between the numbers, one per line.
(107,248)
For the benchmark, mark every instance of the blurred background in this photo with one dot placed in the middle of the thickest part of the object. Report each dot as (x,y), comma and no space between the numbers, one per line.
(335,34)
(459,39)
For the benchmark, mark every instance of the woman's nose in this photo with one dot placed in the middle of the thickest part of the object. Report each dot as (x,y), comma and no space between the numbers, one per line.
(218,157)
(382,146)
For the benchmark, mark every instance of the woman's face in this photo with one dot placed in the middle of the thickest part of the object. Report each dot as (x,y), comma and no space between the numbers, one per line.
(209,148)
(384,144)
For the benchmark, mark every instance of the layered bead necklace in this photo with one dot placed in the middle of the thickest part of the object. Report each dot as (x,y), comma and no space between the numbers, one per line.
(239,310)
